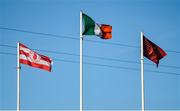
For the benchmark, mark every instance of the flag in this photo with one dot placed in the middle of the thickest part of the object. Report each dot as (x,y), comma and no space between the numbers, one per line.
(152,51)
(92,28)
(31,58)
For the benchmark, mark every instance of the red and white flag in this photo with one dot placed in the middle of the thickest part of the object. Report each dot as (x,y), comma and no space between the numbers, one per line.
(31,58)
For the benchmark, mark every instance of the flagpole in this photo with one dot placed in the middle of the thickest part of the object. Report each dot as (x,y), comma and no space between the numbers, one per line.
(142,74)
(18,79)
(81,64)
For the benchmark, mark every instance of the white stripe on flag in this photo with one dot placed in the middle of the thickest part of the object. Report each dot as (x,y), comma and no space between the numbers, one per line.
(25,49)
(24,57)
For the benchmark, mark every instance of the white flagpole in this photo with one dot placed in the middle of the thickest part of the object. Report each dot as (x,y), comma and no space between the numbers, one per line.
(142,74)
(81,64)
(18,79)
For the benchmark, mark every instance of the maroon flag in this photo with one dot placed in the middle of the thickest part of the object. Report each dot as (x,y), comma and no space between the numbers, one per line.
(152,51)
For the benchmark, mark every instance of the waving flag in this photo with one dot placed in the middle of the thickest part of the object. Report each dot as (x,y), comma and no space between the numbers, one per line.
(152,51)
(92,28)
(31,58)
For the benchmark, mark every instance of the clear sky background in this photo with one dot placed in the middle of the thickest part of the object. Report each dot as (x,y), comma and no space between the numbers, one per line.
(114,83)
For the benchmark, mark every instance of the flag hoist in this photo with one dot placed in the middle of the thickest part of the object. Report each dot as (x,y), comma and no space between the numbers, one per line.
(154,53)
(30,58)
(90,28)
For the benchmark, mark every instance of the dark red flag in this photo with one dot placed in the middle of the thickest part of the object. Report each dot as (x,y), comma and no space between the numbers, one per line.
(152,51)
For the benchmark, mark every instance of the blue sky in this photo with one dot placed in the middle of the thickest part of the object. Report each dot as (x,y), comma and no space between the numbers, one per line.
(108,84)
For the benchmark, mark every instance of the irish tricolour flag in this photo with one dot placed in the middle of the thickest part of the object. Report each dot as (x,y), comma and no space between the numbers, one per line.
(92,28)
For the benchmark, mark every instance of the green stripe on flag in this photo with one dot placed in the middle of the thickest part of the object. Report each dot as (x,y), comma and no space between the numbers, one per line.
(89,25)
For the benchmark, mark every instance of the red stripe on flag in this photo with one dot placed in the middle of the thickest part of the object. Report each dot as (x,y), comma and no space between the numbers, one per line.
(22,45)
(24,53)
(35,65)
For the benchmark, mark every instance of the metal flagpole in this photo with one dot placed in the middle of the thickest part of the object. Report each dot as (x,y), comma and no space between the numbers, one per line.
(142,73)
(18,79)
(81,64)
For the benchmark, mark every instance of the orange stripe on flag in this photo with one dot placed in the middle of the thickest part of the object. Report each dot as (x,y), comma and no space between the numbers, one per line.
(106,30)
(107,35)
